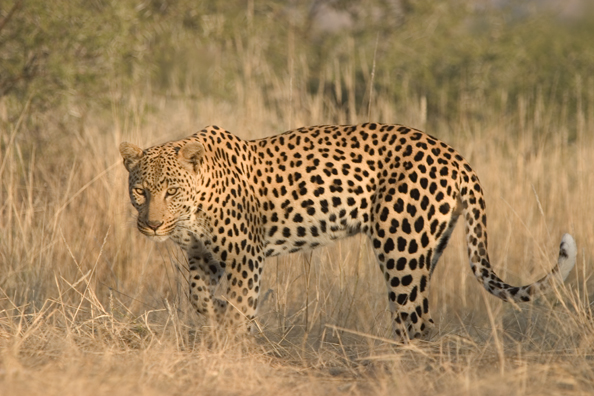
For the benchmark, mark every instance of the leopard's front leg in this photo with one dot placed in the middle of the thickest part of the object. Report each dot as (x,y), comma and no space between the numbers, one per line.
(243,275)
(205,274)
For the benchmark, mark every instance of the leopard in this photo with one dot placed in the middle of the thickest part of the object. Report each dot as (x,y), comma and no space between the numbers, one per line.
(231,203)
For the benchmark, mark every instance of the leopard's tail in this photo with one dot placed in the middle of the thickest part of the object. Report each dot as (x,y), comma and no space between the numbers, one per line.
(473,209)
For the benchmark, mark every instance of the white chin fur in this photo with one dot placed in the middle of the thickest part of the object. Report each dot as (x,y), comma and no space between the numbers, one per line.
(158,238)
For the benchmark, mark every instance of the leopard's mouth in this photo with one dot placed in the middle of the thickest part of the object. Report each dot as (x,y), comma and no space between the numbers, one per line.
(159,235)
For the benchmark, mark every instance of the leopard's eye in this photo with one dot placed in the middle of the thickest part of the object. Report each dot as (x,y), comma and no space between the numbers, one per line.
(139,191)
(171,191)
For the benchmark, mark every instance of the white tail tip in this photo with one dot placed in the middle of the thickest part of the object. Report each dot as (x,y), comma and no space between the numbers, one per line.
(567,255)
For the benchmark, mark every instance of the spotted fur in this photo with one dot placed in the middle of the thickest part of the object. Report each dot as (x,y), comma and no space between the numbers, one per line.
(230,204)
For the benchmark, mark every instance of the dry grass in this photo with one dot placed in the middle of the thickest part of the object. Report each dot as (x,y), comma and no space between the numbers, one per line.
(89,306)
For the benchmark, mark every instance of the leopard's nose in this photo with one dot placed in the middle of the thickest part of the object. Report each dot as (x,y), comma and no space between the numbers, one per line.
(154,225)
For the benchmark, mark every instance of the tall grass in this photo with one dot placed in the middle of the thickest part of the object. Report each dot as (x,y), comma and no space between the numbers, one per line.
(89,306)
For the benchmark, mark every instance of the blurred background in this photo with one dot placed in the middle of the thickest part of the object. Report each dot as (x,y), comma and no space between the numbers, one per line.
(457,58)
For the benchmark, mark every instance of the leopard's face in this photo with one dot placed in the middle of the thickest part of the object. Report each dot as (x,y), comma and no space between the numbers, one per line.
(162,183)
(157,203)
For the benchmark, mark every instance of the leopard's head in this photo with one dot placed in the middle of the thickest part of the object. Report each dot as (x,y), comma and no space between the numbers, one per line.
(163,184)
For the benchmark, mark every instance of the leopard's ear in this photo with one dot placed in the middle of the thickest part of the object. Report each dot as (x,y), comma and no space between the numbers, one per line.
(131,154)
(190,155)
